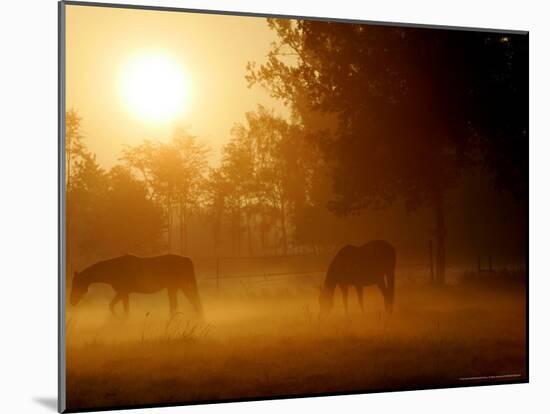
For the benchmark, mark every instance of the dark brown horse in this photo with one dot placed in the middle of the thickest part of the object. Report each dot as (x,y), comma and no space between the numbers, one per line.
(132,274)
(370,264)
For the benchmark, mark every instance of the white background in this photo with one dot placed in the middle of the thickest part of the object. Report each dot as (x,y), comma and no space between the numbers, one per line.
(28,203)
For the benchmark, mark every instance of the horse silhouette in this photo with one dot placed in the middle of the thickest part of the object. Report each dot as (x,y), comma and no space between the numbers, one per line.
(360,266)
(132,274)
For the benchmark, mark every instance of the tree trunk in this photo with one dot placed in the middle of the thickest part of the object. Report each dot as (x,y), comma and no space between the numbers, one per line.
(185,232)
(440,235)
(216,234)
(239,234)
(185,228)
(169,230)
(249,231)
(283,228)
(236,233)
(180,214)
(233,243)
(264,230)
(262,237)
(183,216)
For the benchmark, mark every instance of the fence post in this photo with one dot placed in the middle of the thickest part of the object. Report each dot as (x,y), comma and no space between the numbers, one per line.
(218,273)
(431,263)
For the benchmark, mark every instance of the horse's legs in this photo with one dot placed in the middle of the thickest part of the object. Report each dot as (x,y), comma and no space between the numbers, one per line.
(360,297)
(126,303)
(173,300)
(192,295)
(115,300)
(382,285)
(345,297)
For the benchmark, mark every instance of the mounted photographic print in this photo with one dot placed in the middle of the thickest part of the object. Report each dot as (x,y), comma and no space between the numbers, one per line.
(257,207)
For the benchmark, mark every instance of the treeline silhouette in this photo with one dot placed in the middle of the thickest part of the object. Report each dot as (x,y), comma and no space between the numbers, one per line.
(262,192)
(379,116)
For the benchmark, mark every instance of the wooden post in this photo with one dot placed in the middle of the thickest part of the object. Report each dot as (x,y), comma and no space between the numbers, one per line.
(218,273)
(431,263)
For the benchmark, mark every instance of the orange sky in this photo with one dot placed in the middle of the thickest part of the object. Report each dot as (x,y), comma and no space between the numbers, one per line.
(213,50)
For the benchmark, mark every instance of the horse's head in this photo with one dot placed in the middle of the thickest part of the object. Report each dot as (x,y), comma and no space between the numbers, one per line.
(326,299)
(78,290)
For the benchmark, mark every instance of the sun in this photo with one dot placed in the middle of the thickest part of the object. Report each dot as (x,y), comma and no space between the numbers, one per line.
(154,87)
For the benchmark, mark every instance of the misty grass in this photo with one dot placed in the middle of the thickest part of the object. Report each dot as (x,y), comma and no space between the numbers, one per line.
(280,347)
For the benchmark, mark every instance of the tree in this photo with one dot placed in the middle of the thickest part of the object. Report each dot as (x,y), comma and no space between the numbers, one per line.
(190,179)
(265,158)
(153,162)
(73,143)
(174,174)
(88,186)
(265,171)
(73,151)
(112,212)
(239,169)
(130,222)
(277,171)
(84,185)
(499,108)
(217,191)
(408,104)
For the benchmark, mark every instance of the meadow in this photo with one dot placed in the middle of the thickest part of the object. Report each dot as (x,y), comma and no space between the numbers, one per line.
(266,340)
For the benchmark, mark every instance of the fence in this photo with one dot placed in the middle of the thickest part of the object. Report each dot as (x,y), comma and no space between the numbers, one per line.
(260,269)
(416,267)
(270,269)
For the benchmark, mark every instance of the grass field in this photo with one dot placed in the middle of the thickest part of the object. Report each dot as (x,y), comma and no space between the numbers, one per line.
(269,342)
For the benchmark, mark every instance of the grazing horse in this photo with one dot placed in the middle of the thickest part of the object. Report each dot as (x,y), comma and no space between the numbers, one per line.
(360,266)
(132,274)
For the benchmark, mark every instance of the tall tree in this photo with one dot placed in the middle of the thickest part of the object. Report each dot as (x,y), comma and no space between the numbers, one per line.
(130,221)
(218,190)
(190,180)
(87,191)
(157,165)
(407,103)
(174,173)
(73,151)
(239,170)
(280,176)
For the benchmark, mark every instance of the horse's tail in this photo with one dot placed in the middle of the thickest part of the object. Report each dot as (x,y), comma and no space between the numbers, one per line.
(193,291)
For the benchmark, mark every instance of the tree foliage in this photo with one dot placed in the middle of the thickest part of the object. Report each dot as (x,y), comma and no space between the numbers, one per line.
(174,175)
(414,107)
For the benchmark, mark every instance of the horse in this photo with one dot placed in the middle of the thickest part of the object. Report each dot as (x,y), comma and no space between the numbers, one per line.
(360,266)
(131,274)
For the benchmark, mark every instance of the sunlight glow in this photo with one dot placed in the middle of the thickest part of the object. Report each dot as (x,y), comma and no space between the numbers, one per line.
(154,87)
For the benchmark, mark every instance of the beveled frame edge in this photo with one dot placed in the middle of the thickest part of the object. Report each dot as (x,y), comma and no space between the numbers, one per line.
(288,16)
(61,191)
(62,200)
